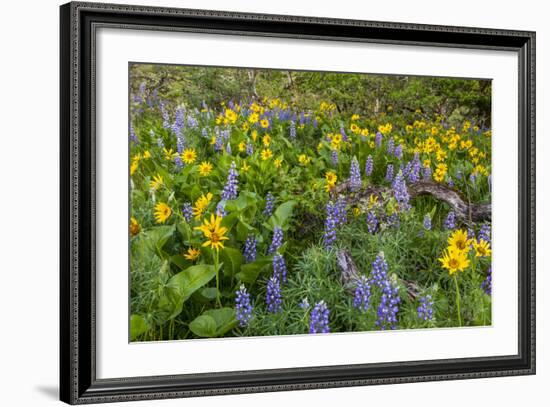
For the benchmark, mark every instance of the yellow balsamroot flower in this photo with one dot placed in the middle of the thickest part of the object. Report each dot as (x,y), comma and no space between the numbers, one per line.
(355,117)
(426,163)
(245,126)
(356,212)
(459,240)
(213,140)
(253,118)
(134,227)
(205,168)
(245,167)
(213,232)
(278,163)
(365,132)
(440,155)
(134,167)
(482,248)
(304,159)
(331,177)
(371,144)
(254,135)
(189,155)
(156,182)
(373,200)
(266,140)
(466,126)
(137,157)
(162,212)
(266,154)
(434,131)
(242,146)
(385,129)
(264,123)
(355,128)
(454,260)
(230,115)
(408,128)
(169,154)
(146,154)
(201,204)
(192,254)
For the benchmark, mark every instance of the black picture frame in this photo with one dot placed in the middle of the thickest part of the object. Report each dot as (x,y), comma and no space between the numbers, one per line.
(78,382)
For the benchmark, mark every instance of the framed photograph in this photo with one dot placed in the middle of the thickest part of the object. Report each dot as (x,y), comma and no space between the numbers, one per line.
(255,203)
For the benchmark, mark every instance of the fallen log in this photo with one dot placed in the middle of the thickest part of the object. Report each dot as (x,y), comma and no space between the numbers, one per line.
(465,210)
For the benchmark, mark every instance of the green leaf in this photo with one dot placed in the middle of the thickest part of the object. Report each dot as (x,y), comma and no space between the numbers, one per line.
(225,319)
(157,237)
(214,323)
(138,326)
(182,285)
(282,215)
(232,260)
(250,271)
(203,326)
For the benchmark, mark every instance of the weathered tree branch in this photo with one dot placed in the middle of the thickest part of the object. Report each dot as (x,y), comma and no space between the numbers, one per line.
(467,211)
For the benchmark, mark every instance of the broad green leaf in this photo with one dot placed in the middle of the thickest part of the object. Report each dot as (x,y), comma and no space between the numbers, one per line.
(282,215)
(203,326)
(182,285)
(225,319)
(250,271)
(232,260)
(157,237)
(138,326)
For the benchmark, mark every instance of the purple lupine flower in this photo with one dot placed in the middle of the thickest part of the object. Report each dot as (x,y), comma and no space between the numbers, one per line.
(487,285)
(273,298)
(304,304)
(473,178)
(187,211)
(243,308)
(450,182)
(277,240)
(398,152)
(427,223)
(334,157)
(393,220)
(178,162)
(484,233)
(329,236)
(369,165)
(344,136)
(389,305)
(470,234)
(165,115)
(179,122)
(269,204)
(160,142)
(231,186)
(279,267)
(361,297)
(204,132)
(250,249)
(192,122)
(389,173)
(427,174)
(390,147)
(228,149)
(133,136)
(372,222)
(378,139)
(340,212)
(318,320)
(425,310)
(354,175)
(218,146)
(249,149)
(450,221)
(379,271)
(400,192)
(180,144)
(414,173)
(220,209)
(292,132)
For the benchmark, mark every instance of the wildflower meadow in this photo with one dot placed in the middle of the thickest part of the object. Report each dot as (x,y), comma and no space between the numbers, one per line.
(269,202)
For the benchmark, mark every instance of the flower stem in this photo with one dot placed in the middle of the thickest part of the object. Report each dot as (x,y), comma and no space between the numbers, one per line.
(216,263)
(457,301)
